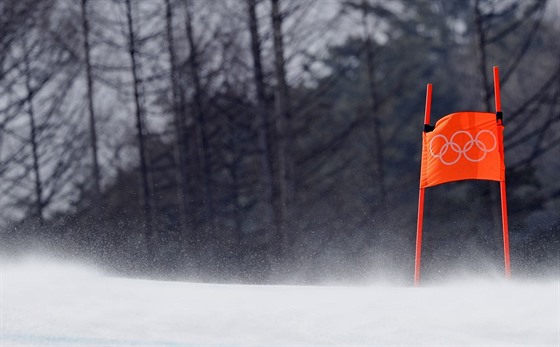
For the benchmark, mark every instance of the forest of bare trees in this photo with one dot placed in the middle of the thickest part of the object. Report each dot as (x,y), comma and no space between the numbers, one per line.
(271,140)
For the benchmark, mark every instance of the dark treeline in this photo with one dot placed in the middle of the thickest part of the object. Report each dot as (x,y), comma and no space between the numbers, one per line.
(272,140)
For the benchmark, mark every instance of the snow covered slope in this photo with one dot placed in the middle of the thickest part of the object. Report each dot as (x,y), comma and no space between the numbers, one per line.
(68,305)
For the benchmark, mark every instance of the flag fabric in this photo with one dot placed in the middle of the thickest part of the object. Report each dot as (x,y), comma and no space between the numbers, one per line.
(462,146)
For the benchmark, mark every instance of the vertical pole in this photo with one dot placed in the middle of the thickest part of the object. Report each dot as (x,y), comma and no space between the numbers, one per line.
(502,183)
(497,89)
(418,256)
(419,238)
(505,229)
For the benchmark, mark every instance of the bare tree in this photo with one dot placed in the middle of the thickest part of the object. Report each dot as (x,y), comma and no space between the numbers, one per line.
(482,57)
(140,132)
(379,171)
(43,149)
(95,174)
(263,118)
(179,117)
(280,193)
(200,124)
(39,203)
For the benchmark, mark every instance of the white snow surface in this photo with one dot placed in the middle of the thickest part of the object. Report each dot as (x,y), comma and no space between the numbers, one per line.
(46,303)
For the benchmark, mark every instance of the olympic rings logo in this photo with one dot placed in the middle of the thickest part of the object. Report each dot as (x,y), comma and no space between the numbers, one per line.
(464,150)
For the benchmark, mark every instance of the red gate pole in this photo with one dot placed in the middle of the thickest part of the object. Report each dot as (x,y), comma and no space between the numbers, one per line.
(502,183)
(421,199)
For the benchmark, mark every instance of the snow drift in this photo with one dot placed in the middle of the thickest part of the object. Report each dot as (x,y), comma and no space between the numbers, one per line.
(47,303)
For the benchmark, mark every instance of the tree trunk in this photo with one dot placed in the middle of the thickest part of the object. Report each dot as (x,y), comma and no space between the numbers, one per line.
(378,170)
(263,121)
(235,173)
(95,173)
(148,227)
(282,119)
(178,105)
(481,42)
(203,151)
(38,209)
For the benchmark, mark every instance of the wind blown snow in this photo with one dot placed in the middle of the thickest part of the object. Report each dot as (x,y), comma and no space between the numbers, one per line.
(48,303)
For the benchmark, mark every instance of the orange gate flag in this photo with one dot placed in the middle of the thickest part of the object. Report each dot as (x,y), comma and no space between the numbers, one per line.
(462,146)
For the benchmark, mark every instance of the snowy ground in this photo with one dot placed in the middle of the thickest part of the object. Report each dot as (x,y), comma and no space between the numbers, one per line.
(44,303)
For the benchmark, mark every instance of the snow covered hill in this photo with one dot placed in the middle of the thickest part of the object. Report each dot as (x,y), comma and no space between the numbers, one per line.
(54,304)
